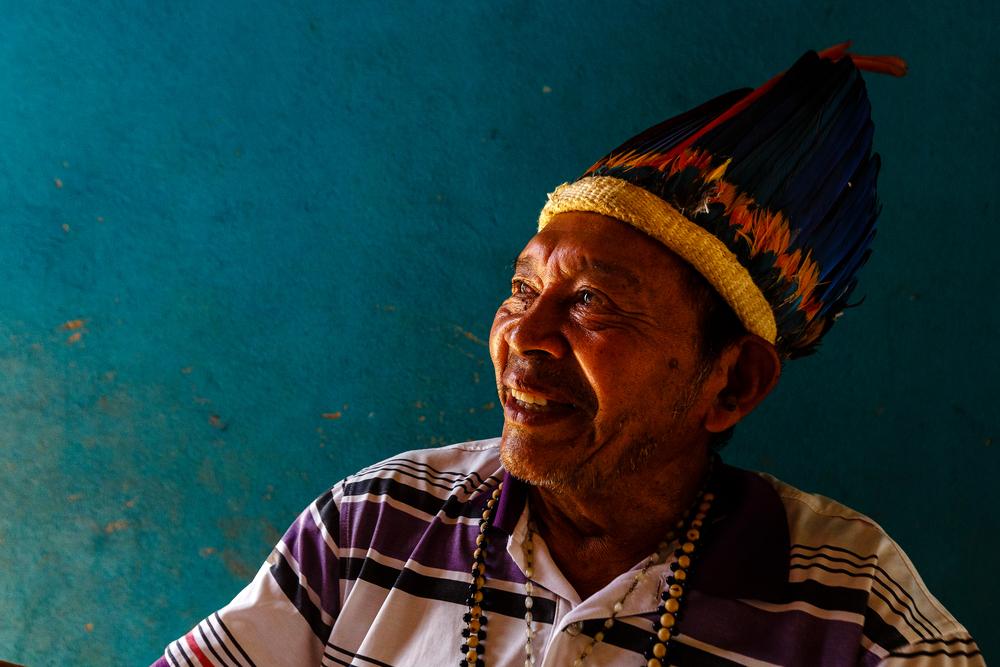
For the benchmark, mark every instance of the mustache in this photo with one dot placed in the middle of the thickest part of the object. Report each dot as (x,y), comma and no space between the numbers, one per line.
(552,377)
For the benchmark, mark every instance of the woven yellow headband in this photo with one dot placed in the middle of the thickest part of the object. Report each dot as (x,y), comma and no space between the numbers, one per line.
(648,213)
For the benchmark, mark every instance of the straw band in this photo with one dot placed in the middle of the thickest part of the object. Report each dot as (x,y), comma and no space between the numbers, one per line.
(653,216)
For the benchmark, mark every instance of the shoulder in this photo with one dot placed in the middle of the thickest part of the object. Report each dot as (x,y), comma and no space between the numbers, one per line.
(425,482)
(848,555)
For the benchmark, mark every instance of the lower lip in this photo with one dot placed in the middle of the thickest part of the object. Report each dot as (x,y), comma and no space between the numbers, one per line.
(550,414)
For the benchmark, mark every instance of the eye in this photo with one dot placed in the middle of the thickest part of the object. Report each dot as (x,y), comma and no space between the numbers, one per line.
(586,297)
(520,288)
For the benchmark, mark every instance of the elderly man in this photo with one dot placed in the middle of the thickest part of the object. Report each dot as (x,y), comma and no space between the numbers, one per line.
(650,313)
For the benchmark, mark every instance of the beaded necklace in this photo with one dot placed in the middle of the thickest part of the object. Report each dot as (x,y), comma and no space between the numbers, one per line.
(690,526)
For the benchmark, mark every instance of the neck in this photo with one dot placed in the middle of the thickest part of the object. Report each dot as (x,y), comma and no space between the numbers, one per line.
(595,534)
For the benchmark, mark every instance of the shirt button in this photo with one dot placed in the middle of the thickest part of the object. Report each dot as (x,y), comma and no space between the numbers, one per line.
(574,628)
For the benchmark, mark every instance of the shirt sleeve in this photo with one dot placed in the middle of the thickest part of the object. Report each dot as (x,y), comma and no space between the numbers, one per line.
(285,615)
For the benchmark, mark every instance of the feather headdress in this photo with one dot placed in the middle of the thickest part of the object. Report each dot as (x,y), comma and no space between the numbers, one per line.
(768,193)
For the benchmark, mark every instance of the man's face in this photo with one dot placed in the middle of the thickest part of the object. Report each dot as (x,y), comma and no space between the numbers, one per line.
(596,355)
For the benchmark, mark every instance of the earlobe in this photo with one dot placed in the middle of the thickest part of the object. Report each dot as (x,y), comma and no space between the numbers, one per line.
(752,370)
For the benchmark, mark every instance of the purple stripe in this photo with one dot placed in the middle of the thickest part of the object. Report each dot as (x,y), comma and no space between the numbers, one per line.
(403,536)
(317,563)
(759,634)
(160,662)
(869,659)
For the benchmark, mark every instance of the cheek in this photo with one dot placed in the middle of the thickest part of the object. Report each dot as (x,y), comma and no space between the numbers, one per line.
(498,342)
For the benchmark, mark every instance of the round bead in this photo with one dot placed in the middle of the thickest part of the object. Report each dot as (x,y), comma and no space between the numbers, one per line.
(672,605)
(529,572)
(483,526)
(473,641)
(491,502)
(680,575)
(697,523)
(663,635)
(684,561)
(667,620)
(700,516)
(528,603)
(675,591)
(688,547)
(474,625)
(480,582)
(529,588)
(528,617)
(659,649)
(599,637)
(653,662)
(479,540)
(478,596)
(471,656)
(577,663)
(708,497)
(618,607)
(477,553)
(486,515)
(693,535)
(476,611)
(608,623)
(704,507)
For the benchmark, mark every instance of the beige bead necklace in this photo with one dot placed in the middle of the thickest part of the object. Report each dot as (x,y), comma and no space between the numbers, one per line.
(690,527)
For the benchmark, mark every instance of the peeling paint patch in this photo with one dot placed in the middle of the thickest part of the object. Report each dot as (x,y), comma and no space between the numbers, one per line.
(216,422)
(72,325)
(88,627)
(58,183)
(332,415)
(115,526)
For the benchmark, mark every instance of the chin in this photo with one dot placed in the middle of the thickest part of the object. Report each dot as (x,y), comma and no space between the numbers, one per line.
(527,461)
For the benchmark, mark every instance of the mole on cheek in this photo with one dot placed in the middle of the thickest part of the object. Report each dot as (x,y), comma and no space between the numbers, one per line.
(674,364)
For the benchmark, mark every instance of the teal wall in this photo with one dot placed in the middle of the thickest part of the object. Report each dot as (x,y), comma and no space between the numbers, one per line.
(256,214)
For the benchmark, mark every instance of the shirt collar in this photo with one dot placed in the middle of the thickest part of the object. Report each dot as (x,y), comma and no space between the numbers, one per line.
(746,547)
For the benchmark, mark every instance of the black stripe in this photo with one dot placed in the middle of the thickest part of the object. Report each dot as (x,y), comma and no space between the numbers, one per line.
(881,632)
(400,459)
(336,660)
(631,638)
(950,654)
(329,515)
(866,575)
(221,643)
(415,498)
(356,655)
(218,619)
(208,643)
(834,548)
(946,642)
(415,466)
(172,659)
(180,650)
(831,598)
(466,484)
(288,581)
(899,587)
(445,590)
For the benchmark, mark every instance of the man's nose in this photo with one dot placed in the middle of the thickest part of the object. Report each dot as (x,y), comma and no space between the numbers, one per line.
(539,329)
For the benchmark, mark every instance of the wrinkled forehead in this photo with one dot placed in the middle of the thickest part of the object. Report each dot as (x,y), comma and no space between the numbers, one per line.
(579,241)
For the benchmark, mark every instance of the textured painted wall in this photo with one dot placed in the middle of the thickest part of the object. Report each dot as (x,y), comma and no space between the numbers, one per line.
(250,247)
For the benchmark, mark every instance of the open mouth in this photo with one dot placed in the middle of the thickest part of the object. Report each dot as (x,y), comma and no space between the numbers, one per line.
(530,408)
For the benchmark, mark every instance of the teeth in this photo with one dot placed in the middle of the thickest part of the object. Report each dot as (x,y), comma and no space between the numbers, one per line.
(530,399)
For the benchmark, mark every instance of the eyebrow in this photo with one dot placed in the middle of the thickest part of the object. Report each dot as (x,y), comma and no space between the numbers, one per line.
(609,269)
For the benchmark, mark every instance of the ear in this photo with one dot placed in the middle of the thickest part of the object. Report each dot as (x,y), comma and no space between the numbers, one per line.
(752,368)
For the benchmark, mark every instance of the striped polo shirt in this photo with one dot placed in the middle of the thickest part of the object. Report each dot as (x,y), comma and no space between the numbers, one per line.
(376,573)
